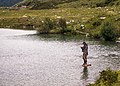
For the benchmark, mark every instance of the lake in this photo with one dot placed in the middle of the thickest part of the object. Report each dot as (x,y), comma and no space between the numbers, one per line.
(28,59)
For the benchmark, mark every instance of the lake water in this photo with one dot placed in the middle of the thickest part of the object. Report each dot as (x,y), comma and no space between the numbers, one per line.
(28,59)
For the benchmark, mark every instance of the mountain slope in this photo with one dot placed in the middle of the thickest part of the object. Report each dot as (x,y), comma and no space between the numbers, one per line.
(91,3)
(48,4)
(43,4)
(8,2)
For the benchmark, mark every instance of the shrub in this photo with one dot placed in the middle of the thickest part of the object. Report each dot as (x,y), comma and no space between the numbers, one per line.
(107,78)
(62,24)
(108,32)
(53,26)
(46,25)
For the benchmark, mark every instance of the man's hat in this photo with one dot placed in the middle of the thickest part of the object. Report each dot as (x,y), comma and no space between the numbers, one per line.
(84,42)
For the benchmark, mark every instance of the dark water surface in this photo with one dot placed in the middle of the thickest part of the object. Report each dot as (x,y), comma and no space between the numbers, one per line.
(27,59)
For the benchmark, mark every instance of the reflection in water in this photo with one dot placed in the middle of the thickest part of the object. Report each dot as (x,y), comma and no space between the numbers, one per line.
(85,73)
(85,76)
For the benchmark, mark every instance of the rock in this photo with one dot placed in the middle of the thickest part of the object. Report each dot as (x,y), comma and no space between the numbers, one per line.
(24,16)
(102,18)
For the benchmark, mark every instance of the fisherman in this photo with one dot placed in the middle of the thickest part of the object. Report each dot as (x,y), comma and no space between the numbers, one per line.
(85,52)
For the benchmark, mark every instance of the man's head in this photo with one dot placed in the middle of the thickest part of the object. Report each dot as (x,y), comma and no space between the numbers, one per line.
(84,42)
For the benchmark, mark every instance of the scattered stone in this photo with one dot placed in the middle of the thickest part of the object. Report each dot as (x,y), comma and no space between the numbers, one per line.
(102,18)
(23,6)
(59,17)
(107,9)
(73,20)
(112,8)
(82,26)
(67,22)
(7,26)
(111,12)
(87,34)
(24,27)
(24,16)
(34,27)
(119,38)
(98,7)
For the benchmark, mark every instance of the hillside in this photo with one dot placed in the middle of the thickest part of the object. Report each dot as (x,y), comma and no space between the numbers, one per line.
(8,2)
(91,3)
(43,4)
(82,17)
(91,18)
(48,4)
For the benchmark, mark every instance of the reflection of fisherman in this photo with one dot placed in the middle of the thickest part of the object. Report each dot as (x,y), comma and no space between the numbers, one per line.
(85,52)
(85,77)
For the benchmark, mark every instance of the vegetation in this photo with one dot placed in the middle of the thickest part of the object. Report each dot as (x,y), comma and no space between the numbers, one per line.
(91,3)
(46,26)
(108,32)
(108,78)
(43,4)
(48,4)
(71,20)
(70,17)
(53,26)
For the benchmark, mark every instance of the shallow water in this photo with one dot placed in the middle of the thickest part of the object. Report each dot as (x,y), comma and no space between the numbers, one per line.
(28,59)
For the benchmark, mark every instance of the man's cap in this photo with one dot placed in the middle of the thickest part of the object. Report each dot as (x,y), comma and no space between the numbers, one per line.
(84,42)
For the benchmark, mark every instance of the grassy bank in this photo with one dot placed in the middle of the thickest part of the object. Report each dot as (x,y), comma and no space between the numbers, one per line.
(80,20)
(108,78)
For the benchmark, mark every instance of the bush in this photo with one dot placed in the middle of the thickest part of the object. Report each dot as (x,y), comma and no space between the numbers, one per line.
(62,24)
(46,25)
(108,32)
(107,78)
(53,26)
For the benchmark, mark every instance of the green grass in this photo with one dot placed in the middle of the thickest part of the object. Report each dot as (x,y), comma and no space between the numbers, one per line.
(108,78)
(50,4)
(89,3)
(30,19)
(68,13)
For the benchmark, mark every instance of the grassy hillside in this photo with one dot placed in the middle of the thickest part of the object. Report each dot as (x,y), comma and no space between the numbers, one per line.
(47,4)
(43,4)
(80,16)
(90,3)
(91,18)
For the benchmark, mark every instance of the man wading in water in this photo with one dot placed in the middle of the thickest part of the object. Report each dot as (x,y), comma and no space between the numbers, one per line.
(85,53)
